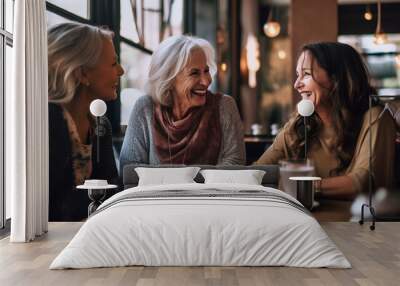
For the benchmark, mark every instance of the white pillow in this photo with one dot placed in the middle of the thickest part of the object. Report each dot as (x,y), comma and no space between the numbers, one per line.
(165,176)
(248,177)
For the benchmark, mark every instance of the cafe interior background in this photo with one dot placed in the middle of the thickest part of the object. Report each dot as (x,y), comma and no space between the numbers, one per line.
(256,43)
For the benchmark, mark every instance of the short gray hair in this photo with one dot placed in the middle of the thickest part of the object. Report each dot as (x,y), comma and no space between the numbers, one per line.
(170,58)
(71,47)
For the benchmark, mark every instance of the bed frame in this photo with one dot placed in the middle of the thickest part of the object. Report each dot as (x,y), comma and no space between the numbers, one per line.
(271,177)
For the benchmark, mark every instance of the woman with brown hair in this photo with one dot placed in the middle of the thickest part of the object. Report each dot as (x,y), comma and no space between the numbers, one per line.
(334,77)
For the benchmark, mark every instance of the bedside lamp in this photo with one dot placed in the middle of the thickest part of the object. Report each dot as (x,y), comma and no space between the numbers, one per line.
(305,183)
(98,108)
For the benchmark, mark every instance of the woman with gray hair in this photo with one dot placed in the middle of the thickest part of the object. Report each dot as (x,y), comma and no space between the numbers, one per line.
(181,121)
(82,67)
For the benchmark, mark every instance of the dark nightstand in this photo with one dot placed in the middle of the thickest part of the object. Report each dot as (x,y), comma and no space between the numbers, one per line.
(96,195)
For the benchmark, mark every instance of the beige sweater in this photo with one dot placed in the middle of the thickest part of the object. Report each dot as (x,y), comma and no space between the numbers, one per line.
(324,156)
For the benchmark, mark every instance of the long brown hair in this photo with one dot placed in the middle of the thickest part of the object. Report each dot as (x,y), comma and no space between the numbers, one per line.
(348,99)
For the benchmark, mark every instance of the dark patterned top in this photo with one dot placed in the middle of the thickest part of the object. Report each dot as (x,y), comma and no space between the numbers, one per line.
(81,153)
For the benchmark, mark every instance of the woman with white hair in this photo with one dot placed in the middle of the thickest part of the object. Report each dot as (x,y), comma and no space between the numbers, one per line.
(82,67)
(181,121)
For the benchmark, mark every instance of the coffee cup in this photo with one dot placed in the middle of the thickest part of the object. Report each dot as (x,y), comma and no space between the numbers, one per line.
(294,168)
(305,190)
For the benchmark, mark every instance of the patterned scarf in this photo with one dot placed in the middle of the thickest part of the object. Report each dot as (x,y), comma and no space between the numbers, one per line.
(194,139)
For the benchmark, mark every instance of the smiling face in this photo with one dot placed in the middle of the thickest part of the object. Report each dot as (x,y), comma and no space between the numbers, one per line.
(102,79)
(312,81)
(191,84)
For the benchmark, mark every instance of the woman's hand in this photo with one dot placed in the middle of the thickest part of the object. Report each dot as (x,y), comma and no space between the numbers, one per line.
(340,187)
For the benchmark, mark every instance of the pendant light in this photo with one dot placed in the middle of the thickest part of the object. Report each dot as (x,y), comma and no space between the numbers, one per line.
(380,36)
(271,28)
(368,14)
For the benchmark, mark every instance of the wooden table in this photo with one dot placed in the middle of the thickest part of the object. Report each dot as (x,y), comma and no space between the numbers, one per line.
(332,210)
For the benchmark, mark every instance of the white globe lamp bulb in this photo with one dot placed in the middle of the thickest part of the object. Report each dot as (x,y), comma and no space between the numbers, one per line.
(272,29)
(305,107)
(98,107)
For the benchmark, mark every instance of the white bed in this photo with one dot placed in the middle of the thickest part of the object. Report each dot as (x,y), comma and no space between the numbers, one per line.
(201,224)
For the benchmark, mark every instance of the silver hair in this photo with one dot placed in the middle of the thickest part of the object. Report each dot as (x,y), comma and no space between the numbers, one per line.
(72,47)
(170,58)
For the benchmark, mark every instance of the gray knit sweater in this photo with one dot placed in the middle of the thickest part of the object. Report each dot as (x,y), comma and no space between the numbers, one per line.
(138,146)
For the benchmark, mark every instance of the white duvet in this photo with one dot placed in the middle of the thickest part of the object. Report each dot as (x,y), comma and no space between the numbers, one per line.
(183,231)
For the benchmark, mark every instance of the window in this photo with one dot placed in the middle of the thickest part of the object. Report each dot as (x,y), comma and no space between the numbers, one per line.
(9,15)
(142,28)
(175,13)
(68,11)
(149,24)
(128,28)
(383,61)
(136,65)
(54,19)
(6,41)
(77,7)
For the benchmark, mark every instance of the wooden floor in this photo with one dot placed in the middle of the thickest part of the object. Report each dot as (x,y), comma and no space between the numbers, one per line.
(374,255)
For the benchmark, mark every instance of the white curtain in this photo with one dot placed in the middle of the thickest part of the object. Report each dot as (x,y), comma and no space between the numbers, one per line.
(26,124)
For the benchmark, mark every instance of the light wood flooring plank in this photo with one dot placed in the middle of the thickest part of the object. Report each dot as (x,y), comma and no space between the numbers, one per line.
(374,255)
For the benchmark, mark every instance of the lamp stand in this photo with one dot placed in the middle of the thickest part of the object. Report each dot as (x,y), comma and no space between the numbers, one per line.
(369,205)
(98,139)
(305,137)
